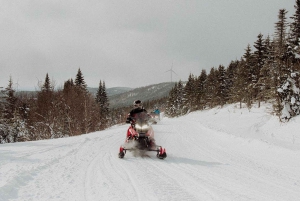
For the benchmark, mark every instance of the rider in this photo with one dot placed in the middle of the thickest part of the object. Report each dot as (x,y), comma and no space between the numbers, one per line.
(138,108)
(157,112)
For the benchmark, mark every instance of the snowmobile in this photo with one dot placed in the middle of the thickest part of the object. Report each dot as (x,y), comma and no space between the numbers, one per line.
(155,118)
(140,137)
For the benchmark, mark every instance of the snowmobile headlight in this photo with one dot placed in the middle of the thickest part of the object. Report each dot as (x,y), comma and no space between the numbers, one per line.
(142,127)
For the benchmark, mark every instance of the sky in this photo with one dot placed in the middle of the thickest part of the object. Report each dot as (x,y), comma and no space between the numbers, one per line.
(126,43)
(221,154)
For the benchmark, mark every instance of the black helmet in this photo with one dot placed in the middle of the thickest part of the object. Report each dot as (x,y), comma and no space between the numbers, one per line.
(137,103)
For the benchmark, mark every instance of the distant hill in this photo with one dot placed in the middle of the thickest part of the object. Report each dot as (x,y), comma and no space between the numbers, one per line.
(111,91)
(146,93)
(124,96)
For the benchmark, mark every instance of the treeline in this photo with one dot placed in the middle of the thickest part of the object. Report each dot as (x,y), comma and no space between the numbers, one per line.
(268,72)
(53,113)
(50,113)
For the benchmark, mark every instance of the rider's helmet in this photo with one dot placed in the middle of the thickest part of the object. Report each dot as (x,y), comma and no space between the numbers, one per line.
(137,103)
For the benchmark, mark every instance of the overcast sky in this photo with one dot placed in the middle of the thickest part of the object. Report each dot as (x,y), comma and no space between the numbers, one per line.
(130,43)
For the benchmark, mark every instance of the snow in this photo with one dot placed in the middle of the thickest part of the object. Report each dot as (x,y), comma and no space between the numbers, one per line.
(219,154)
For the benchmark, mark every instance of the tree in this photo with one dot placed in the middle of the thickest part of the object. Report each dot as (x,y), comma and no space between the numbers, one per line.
(79,81)
(231,72)
(281,71)
(294,37)
(190,93)
(201,89)
(222,87)
(171,109)
(175,106)
(103,106)
(259,59)
(44,112)
(289,93)
(211,87)
(8,131)
(266,82)
(239,91)
(10,106)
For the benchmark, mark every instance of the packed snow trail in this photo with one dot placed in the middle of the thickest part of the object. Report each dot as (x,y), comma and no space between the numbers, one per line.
(207,160)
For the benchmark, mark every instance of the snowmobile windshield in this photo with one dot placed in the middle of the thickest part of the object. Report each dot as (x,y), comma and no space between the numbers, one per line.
(141,117)
(141,123)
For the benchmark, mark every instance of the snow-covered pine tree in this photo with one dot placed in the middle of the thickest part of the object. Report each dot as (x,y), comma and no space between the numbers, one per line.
(293,49)
(12,127)
(288,60)
(171,109)
(10,106)
(280,71)
(289,93)
(294,36)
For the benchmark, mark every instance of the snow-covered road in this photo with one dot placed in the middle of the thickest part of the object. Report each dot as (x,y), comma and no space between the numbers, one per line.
(220,154)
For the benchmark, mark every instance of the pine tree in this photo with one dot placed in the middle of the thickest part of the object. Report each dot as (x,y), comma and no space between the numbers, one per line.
(266,82)
(222,87)
(280,44)
(292,55)
(180,99)
(47,85)
(79,81)
(8,123)
(211,86)
(231,72)
(288,97)
(10,106)
(44,111)
(81,104)
(294,37)
(103,105)
(259,59)
(239,92)
(201,89)
(171,109)
(248,75)
(281,71)
(175,106)
(289,93)
(44,101)
(190,93)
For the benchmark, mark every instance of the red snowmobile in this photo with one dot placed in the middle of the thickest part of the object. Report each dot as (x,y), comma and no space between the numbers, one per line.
(140,137)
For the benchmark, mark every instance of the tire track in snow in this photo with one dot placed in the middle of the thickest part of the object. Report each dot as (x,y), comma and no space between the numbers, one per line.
(237,166)
(101,179)
(32,171)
